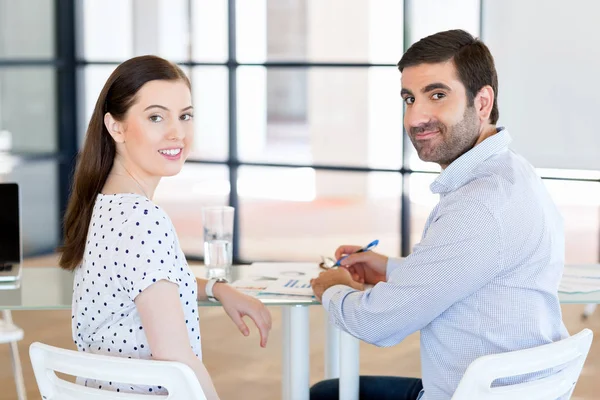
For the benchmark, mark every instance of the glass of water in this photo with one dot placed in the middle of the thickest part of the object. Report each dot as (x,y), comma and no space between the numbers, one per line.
(218,240)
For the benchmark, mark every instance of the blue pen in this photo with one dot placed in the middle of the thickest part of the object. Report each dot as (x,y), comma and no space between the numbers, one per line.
(368,247)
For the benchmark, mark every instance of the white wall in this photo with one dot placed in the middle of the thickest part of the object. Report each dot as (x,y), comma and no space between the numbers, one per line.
(548,56)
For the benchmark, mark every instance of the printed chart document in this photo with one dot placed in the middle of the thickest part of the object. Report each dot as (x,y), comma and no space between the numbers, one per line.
(580,279)
(279,278)
(291,286)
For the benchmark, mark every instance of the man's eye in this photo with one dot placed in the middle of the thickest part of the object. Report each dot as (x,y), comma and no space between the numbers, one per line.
(156,118)
(437,96)
(409,100)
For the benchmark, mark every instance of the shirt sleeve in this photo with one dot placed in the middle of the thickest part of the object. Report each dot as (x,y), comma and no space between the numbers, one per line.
(333,290)
(459,254)
(392,265)
(148,243)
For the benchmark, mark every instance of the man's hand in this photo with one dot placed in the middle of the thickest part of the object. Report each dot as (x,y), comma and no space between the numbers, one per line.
(238,305)
(327,279)
(367,267)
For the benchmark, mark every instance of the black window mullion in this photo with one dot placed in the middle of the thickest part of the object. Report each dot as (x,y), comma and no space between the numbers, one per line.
(66,98)
(232,102)
(405,242)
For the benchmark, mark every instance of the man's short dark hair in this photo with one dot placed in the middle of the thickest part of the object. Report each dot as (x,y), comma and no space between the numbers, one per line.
(472,59)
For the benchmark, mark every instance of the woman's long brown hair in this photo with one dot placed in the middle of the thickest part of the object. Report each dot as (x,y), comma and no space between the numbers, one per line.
(95,160)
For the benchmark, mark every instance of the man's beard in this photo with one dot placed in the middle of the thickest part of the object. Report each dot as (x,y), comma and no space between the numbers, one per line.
(455,141)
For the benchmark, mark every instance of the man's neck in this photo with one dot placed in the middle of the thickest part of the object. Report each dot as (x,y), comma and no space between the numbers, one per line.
(486,132)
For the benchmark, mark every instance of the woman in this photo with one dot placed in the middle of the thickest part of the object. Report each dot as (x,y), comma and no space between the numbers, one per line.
(134,294)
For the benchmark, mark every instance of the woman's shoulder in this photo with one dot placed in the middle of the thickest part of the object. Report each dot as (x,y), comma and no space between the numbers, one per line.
(129,211)
(126,204)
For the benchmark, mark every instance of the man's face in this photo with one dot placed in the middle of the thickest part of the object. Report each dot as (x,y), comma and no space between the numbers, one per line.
(438,120)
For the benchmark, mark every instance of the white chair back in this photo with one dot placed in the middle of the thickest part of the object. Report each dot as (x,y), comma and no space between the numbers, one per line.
(568,354)
(177,378)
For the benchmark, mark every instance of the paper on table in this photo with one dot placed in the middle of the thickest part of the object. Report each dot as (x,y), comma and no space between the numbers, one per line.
(261,275)
(580,279)
(289,286)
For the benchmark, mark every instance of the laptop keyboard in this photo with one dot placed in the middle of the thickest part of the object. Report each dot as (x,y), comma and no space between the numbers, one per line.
(5,267)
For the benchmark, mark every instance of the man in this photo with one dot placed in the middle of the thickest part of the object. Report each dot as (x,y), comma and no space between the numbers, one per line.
(484,277)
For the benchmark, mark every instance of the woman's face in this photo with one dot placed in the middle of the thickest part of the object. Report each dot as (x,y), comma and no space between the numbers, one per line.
(157,134)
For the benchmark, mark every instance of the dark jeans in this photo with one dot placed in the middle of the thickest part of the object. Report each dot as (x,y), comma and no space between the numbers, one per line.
(371,387)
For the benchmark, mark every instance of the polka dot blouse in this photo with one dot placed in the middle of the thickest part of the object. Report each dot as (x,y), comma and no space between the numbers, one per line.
(131,244)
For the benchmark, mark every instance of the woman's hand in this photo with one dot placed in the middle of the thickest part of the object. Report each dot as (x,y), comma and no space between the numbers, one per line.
(238,305)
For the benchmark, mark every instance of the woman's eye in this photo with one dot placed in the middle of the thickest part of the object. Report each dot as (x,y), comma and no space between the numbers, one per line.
(156,118)
(437,96)
(186,117)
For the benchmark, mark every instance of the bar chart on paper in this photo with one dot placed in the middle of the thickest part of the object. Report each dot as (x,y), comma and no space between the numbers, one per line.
(289,286)
(296,284)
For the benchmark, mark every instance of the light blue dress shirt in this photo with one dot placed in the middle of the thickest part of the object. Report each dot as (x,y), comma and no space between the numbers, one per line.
(483,279)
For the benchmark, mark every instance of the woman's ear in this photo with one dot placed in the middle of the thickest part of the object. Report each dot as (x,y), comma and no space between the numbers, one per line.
(114,127)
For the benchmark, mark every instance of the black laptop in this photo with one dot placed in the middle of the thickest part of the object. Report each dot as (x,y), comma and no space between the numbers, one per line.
(10,233)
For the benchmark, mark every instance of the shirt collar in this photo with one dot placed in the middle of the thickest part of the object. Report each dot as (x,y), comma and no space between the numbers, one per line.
(460,170)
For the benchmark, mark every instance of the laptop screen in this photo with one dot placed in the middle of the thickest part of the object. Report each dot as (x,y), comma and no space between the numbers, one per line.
(10,237)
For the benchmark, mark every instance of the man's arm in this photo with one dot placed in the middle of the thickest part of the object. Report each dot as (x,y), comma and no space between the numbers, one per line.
(459,255)
(392,265)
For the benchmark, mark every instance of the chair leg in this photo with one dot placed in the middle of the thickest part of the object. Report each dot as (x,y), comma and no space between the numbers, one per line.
(588,310)
(18,372)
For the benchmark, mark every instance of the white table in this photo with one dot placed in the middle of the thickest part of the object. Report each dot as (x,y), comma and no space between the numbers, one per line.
(47,288)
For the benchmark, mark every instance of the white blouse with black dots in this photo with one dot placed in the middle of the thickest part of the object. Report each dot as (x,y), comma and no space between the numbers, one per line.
(131,244)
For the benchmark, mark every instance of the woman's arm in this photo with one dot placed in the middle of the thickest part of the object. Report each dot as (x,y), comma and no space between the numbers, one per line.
(238,305)
(202,289)
(163,321)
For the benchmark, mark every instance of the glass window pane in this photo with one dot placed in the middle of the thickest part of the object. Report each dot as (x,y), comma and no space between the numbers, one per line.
(93,78)
(299,214)
(326,116)
(422,202)
(25,33)
(102,41)
(579,204)
(137,27)
(182,197)
(28,109)
(211,113)
(316,30)
(426,17)
(209,30)
(38,182)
